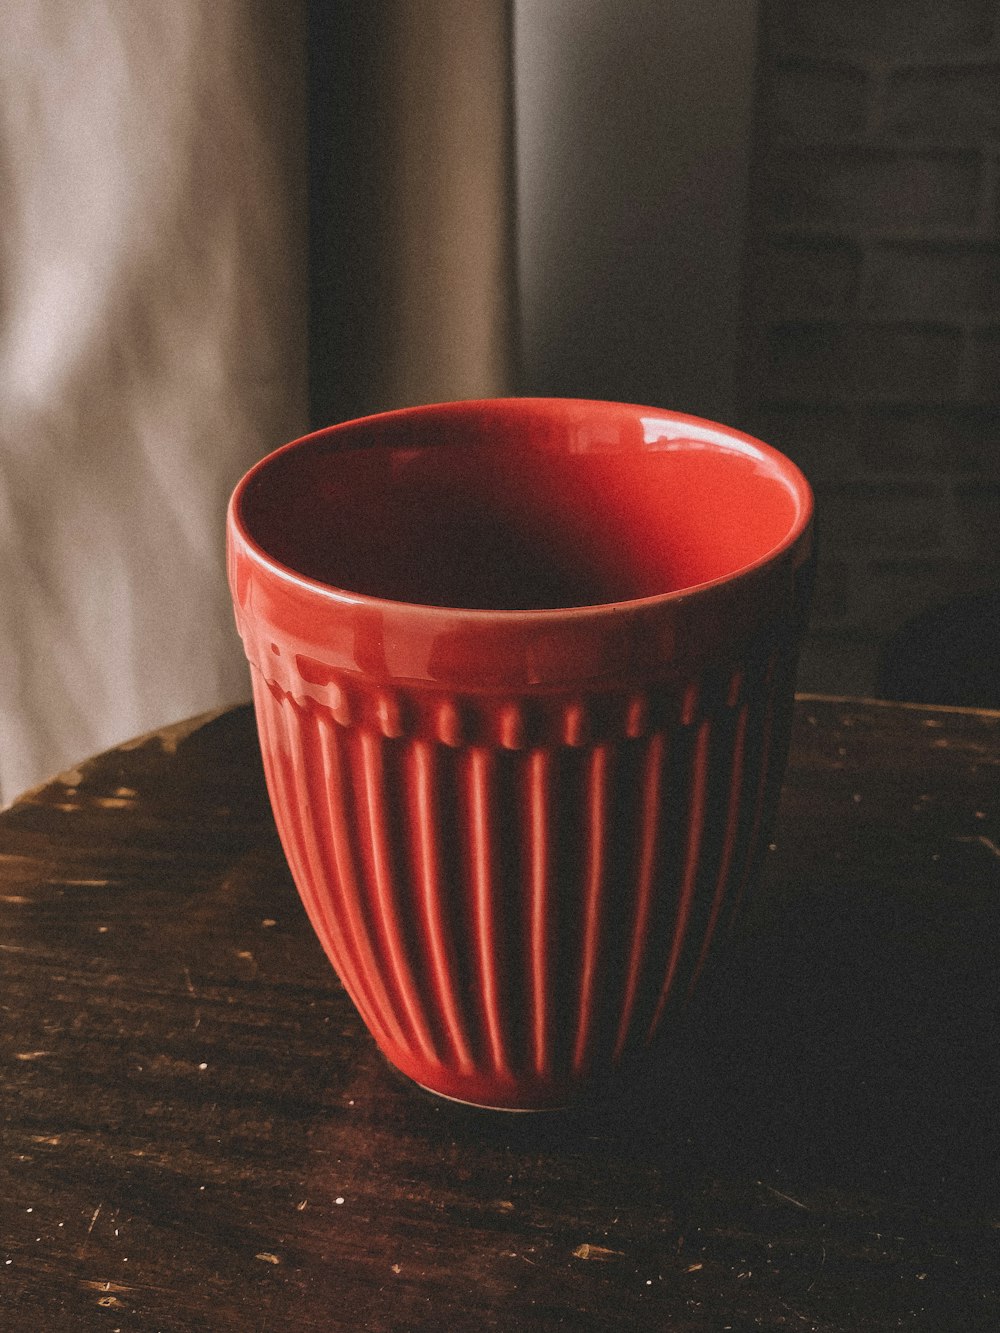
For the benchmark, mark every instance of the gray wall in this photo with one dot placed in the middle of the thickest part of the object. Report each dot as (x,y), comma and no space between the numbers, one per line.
(533,196)
(633,148)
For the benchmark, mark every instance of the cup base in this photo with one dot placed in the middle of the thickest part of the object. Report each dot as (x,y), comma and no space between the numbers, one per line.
(484,1091)
(485,1106)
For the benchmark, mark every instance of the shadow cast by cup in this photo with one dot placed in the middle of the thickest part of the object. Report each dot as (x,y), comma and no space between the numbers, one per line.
(842,1044)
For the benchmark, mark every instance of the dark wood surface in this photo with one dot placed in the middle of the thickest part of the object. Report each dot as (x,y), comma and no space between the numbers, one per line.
(198,1134)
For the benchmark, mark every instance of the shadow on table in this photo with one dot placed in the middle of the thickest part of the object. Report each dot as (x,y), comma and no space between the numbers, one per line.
(849,1043)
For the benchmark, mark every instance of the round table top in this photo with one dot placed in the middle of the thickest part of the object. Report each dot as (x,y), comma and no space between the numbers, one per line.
(199,1134)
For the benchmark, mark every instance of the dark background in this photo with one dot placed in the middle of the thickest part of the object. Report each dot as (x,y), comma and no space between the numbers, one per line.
(875,306)
(782,216)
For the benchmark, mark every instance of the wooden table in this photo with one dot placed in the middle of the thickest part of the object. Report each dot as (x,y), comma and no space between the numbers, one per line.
(198,1134)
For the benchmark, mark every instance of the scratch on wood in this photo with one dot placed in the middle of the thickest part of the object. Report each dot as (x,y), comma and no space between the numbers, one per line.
(189,985)
(798,1314)
(780,1194)
(988,843)
(86,1240)
(599,1252)
(822,1265)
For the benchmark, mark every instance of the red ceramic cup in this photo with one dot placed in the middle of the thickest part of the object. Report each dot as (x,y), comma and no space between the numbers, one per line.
(522,671)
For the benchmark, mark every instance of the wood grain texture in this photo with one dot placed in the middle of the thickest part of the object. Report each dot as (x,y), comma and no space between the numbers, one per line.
(197,1133)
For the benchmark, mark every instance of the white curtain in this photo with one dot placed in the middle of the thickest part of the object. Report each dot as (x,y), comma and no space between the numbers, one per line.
(152,345)
(504,194)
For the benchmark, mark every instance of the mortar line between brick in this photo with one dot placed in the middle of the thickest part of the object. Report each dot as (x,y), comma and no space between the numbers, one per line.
(864,234)
(876,98)
(988,194)
(970,364)
(872,62)
(949,62)
(954,322)
(967,323)
(889,145)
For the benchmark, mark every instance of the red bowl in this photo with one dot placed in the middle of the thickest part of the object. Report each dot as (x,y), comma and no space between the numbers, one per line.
(523,670)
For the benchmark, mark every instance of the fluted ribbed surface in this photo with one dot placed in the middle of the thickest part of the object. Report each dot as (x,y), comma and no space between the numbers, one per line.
(512,918)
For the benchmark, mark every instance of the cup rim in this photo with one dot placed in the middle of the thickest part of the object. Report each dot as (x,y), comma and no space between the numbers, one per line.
(701,428)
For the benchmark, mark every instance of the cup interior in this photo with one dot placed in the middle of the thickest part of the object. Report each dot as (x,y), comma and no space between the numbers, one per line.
(522,505)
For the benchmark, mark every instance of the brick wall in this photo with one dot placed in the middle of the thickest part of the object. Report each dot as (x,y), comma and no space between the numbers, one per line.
(875,304)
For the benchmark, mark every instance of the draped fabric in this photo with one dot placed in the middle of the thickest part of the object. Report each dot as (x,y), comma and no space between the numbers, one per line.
(412,217)
(152,346)
(223,222)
